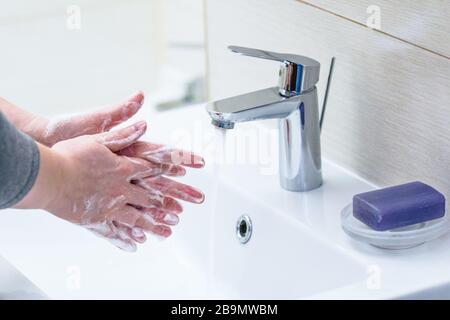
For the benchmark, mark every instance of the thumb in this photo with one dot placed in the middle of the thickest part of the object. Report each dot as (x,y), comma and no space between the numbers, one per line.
(122,138)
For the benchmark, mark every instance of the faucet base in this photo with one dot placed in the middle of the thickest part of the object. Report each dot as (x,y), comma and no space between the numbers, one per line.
(299,139)
(294,187)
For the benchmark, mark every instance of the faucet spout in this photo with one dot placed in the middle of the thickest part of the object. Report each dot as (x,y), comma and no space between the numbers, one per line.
(257,105)
(222,124)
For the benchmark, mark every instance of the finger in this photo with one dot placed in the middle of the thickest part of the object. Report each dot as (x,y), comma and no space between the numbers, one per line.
(104,229)
(161,154)
(148,224)
(110,232)
(142,198)
(125,245)
(135,233)
(171,205)
(138,235)
(145,197)
(119,139)
(174,189)
(128,216)
(144,169)
(162,216)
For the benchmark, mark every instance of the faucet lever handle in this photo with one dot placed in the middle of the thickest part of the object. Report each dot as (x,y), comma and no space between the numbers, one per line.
(275,56)
(257,53)
(297,73)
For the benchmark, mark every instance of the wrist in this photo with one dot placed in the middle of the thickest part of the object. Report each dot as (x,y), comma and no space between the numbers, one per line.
(27,122)
(56,181)
(35,127)
(49,183)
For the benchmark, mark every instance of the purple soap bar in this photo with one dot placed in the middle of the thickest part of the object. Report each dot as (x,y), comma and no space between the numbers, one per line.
(398,206)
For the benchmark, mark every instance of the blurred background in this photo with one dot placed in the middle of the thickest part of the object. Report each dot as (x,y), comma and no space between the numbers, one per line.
(67,56)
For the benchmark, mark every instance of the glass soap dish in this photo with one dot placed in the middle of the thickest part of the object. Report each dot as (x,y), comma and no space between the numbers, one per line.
(401,238)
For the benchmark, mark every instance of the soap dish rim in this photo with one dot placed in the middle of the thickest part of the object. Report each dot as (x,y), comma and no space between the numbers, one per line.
(424,234)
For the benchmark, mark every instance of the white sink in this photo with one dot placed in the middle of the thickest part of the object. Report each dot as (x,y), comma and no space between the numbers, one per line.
(297,248)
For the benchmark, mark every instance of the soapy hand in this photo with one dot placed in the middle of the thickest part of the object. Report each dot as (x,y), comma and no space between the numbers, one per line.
(97,190)
(59,128)
(50,131)
(164,160)
(114,196)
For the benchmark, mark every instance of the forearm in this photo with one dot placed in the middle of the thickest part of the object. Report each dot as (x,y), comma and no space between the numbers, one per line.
(24,121)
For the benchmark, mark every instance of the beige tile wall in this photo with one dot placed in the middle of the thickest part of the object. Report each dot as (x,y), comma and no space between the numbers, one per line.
(425,23)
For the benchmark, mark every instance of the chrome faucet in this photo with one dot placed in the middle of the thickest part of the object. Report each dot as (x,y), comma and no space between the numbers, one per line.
(294,102)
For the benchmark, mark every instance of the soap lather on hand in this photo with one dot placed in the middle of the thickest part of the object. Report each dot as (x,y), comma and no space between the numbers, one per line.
(399,206)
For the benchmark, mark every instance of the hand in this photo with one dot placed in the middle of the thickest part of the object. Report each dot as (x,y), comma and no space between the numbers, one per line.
(48,132)
(67,127)
(99,189)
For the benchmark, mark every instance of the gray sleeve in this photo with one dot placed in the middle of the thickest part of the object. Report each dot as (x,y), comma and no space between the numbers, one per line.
(19,164)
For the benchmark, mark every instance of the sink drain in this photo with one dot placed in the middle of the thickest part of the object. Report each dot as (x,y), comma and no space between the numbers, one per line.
(244,229)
